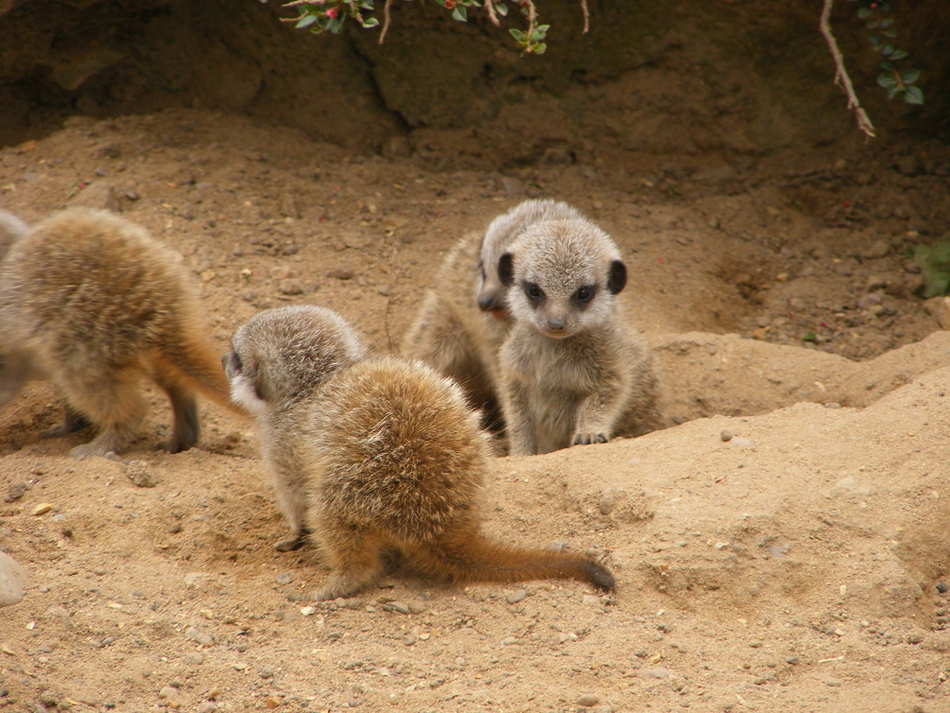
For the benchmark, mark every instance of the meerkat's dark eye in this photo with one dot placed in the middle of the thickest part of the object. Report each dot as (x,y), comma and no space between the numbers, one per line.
(533,292)
(584,294)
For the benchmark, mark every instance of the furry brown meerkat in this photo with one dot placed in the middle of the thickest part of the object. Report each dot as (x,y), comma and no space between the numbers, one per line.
(572,370)
(390,455)
(90,302)
(464,319)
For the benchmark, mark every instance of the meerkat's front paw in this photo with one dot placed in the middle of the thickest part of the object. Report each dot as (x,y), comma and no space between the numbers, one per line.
(587,438)
(338,586)
(294,542)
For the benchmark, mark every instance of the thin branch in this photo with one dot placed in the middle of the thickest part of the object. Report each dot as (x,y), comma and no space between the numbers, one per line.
(841,75)
(586,16)
(386,7)
(490,7)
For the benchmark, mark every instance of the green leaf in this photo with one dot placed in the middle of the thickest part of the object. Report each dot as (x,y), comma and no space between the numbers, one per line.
(460,13)
(910,76)
(887,65)
(517,34)
(874,40)
(502,9)
(810,337)
(887,80)
(887,50)
(539,48)
(898,54)
(892,91)
(305,21)
(890,33)
(914,95)
(366,5)
(887,22)
(336,26)
(864,13)
(370,22)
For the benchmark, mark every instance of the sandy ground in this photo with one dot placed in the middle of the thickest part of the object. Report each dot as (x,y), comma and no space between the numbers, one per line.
(797,566)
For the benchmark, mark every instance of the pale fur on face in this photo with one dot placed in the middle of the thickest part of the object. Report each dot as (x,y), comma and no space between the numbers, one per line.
(563,276)
(501,232)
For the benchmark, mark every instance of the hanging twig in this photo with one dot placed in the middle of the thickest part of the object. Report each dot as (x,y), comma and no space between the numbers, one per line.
(385,20)
(841,75)
(586,16)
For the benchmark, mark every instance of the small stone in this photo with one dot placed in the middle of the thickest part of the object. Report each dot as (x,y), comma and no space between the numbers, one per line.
(266,672)
(792,660)
(15,492)
(207,707)
(942,587)
(908,165)
(400,607)
(168,692)
(588,699)
(340,274)
(725,435)
(140,474)
(285,578)
(198,635)
(42,508)
(291,287)
(658,672)
(193,659)
(516,596)
(12,578)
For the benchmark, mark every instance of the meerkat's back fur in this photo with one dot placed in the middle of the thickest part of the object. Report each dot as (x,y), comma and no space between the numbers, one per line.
(392,458)
(92,303)
(464,319)
(572,371)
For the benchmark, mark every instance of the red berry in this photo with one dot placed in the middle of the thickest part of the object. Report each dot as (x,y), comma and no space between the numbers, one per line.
(449,4)
(333,12)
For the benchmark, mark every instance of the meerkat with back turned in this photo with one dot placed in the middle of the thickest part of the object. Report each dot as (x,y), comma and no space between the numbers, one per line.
(464,319)
(572,371)
(92,303)
(381,454)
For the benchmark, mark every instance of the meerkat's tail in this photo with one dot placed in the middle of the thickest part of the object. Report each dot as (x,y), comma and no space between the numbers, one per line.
(191,360)
(473,558)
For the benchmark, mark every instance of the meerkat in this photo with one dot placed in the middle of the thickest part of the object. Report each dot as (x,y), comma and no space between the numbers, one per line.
(384,454)
(463,321)
(91,303)
(572,371)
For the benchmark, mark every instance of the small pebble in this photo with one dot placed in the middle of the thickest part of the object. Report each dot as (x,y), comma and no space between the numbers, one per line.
(196,634)
(12,577)
(725,435)
(15,492)
(42,508)
(140,474)
(517,596)
(657,672)
(207,707)
(588,700)
(942,587)
(168,692)
(285,578)
(193,659)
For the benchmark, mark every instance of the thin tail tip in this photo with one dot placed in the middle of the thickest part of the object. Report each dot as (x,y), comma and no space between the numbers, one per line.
(600,577)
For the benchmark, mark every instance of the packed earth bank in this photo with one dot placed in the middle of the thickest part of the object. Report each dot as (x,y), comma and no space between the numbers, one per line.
(784,546)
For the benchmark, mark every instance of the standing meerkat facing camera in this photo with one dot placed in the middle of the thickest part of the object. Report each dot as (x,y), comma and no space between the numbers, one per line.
(572,371)
(385,454)
(464,319)
(92,303)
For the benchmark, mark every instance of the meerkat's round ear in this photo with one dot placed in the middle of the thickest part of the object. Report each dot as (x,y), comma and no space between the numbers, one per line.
(616,277)
(506,269)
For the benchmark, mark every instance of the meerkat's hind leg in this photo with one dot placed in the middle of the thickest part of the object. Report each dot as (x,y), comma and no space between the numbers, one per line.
(72,421)
(355,557)
(185,424)
(14,373)
(112,403)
